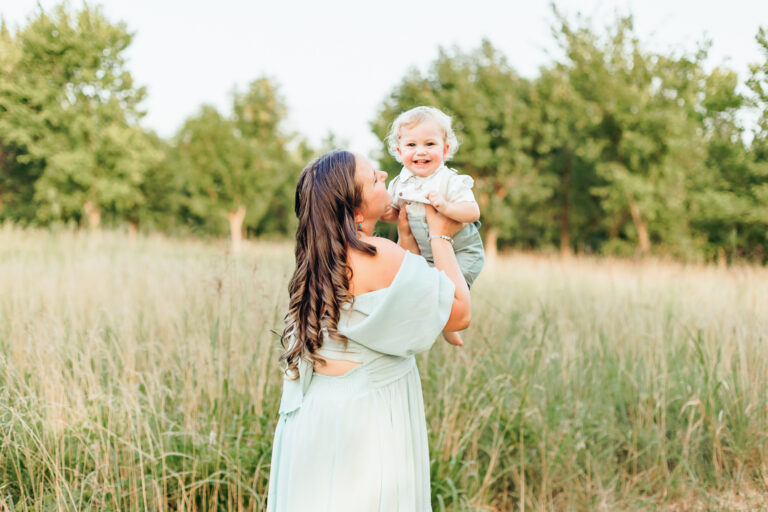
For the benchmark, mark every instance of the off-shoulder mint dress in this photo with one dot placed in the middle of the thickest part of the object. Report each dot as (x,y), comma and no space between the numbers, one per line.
(358,442)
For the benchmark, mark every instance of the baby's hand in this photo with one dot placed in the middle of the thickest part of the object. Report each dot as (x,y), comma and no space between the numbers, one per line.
(437,200)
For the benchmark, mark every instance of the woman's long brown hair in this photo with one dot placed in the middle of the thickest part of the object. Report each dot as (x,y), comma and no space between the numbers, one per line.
(326,199)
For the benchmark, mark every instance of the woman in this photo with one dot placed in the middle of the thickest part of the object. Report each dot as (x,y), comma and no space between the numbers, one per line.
(352,432)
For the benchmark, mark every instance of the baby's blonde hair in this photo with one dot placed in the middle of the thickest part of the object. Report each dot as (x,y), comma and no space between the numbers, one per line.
(417,115)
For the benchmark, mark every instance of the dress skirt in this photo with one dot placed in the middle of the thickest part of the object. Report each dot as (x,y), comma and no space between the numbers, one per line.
(357,443)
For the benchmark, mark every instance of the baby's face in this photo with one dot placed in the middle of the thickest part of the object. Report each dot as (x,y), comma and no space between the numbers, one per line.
(422,147)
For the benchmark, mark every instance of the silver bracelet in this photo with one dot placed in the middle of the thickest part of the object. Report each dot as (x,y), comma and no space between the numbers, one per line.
(444,237)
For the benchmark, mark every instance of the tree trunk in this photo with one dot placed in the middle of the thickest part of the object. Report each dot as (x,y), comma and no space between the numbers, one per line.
(565,232)
(236,219)
(644,242)
(133,226)
(616,225)
(722,259)
(491,249)
(93,213)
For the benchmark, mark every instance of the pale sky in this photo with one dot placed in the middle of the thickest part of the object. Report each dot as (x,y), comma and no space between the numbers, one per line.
(336,60)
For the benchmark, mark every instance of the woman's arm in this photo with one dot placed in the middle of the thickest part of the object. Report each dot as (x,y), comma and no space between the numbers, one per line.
(445,260)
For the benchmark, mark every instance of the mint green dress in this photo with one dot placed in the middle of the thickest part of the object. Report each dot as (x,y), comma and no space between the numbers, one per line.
(358,442)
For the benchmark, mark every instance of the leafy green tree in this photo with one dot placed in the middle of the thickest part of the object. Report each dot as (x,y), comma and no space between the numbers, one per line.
(646,131)
(18,172)
(722,203)
(215,181)
(71,111)
(159,190)
(490,106)
(565,153)
(273,155)
(758,85)
(239,168)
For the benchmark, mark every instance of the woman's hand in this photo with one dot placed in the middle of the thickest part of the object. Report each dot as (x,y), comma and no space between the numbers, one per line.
(390,214)
(405,238)
(439,224)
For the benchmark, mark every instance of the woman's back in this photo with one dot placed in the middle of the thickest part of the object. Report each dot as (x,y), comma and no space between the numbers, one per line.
(369,274)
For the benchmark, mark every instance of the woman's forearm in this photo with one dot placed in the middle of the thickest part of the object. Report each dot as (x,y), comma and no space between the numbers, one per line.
(445,260)
(408,242)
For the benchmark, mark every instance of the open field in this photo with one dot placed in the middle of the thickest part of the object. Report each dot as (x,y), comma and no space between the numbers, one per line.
(141,374)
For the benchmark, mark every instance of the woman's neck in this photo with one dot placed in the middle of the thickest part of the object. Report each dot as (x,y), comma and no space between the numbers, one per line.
(367,228)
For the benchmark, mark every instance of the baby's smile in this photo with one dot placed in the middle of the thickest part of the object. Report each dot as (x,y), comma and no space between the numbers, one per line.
(422,147)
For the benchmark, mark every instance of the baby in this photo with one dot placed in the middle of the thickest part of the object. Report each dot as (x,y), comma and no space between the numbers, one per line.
(422,140)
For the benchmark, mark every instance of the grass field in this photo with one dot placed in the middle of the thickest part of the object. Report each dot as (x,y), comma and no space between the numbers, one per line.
(141,375)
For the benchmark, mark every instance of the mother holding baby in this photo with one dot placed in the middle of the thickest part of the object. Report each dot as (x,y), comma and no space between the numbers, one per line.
(352,432)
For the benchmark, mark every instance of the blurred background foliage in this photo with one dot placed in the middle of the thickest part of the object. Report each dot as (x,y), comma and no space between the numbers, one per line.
(612,149)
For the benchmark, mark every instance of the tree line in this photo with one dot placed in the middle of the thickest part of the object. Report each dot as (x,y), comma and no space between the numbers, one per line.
(72,149)
(610,149)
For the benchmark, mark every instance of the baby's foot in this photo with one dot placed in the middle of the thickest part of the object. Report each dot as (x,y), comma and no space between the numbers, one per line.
(453,337)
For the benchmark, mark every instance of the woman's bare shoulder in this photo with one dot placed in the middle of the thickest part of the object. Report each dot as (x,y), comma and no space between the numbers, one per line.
(373,272)
(386,247)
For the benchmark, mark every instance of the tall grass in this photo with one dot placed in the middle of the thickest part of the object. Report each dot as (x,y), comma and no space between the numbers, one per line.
(141,374)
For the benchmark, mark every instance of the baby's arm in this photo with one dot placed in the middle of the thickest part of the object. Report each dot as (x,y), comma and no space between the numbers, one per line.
(460,211)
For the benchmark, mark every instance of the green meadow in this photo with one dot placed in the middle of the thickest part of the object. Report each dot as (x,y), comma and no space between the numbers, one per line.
(140,373)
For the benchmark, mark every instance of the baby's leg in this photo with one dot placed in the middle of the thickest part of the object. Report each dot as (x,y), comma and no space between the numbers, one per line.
(470,254)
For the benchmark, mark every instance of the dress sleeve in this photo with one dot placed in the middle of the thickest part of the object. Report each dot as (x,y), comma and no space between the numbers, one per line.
(406,317)
(460,188)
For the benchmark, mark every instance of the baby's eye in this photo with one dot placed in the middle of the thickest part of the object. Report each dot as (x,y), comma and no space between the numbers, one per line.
(410,144)
(430,143)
